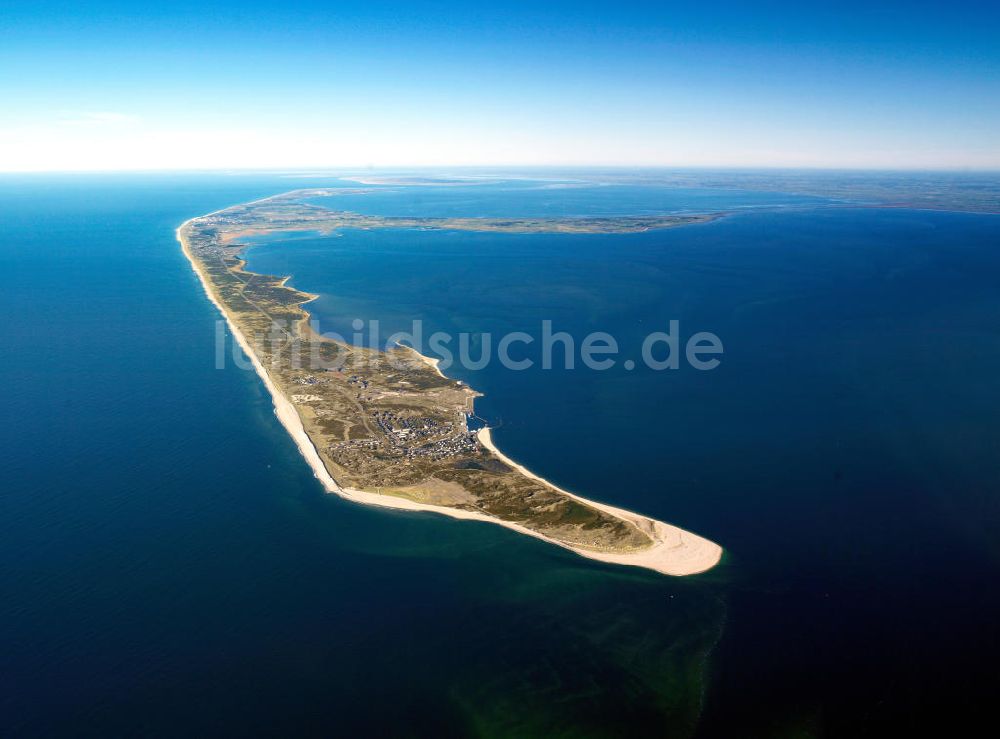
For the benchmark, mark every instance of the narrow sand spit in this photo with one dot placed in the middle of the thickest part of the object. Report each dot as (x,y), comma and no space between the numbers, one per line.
(674,551)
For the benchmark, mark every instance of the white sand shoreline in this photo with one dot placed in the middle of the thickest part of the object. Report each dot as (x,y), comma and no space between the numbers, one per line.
(432,362)
(674,552)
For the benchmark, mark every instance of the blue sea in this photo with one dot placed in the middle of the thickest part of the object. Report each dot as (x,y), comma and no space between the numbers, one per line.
(169,566)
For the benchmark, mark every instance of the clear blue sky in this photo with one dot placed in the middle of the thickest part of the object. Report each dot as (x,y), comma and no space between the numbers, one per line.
(112,85)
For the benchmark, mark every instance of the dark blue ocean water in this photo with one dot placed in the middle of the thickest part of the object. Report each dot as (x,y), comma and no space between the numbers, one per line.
(168,564)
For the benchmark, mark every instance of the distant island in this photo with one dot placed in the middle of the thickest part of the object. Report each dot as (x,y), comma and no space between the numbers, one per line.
(387,428)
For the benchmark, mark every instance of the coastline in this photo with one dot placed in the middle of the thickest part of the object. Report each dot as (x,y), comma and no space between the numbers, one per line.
(699,554)
(674,551)
(432,362)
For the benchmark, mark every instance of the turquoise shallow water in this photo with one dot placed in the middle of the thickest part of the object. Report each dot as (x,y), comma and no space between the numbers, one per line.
(170,565)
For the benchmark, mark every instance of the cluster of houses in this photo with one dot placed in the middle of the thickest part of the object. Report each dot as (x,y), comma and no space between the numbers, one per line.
(412,437)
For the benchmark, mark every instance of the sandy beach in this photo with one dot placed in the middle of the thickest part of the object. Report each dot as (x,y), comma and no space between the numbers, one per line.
(432,362)
(674,551)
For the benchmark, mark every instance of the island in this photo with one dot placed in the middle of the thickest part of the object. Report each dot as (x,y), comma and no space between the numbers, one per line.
(385,427)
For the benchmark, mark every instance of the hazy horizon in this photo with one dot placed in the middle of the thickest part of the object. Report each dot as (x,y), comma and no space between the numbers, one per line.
(226,85)
(502,170)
